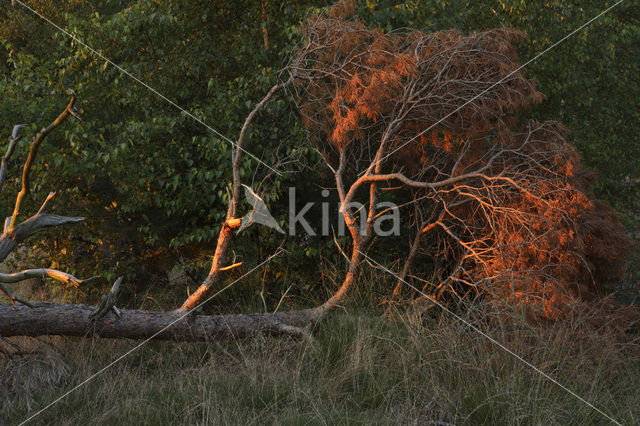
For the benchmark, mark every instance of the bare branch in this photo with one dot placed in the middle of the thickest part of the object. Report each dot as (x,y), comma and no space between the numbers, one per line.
(13,298)
(45,202)
(15,137)
(45,272)
(35,144)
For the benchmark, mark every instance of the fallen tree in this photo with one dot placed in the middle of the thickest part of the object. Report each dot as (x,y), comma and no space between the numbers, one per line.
(41,318)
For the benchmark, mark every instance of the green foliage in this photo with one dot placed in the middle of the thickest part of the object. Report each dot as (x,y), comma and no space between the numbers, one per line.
(151,179)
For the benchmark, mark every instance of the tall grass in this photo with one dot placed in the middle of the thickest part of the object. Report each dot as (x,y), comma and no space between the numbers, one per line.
(366,368)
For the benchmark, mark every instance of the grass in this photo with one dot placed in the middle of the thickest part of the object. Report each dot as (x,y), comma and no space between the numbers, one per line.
(363,368)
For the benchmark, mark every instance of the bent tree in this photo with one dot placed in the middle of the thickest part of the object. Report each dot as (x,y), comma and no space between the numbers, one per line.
(498,203)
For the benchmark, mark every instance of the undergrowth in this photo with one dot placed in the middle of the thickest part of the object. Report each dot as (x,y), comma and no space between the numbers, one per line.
(364,367)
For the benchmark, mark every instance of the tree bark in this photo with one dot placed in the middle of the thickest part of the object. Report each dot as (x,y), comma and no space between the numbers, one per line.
(349,279)
(73,320)
(217,264)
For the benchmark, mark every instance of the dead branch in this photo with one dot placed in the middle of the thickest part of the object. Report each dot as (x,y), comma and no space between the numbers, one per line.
(13,298)
(33,151)
(4,166)
(14,233)
(54,274)
(108,303)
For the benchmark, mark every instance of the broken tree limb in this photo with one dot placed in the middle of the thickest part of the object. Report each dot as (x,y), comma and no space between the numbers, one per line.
(45,272)
(228,268)
(234,222)
(108,303)
(39,273)
(14,233)
(10,239)
(46,202)
(214,277)
(75,320)
(41,221)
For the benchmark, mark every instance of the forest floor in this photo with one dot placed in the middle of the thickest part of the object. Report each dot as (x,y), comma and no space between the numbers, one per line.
(362,368)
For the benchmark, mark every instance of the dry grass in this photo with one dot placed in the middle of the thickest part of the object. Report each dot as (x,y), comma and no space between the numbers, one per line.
(362,369)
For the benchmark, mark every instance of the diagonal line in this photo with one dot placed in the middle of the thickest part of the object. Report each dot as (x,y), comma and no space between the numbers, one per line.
(135,348)
(493,85)
(142,83)
(492,340)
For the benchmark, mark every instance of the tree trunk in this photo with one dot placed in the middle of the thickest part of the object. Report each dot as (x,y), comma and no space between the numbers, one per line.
(73,320)
(349,279)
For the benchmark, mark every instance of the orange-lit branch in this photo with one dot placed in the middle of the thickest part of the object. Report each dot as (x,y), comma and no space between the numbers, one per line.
(35,145)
